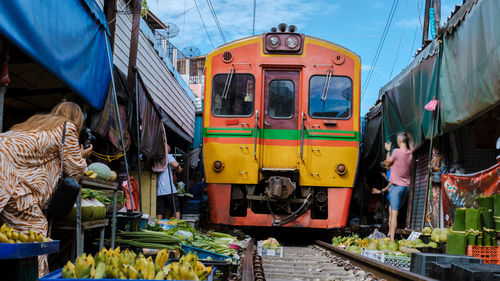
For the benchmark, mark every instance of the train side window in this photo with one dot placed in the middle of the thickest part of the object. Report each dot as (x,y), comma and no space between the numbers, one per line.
(331,100)
(281,99)
(233,95)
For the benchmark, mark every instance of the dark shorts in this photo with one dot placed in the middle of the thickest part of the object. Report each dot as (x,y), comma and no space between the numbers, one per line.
(398,195)
(164,202)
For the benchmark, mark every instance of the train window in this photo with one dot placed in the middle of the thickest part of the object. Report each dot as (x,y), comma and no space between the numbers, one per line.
(233,94)
(330,100)
(281,99)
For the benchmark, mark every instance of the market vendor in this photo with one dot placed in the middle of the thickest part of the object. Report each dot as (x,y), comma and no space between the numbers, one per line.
(167,203)
(399,162)
(30,167)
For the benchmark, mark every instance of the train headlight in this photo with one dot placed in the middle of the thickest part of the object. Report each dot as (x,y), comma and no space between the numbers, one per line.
(341,169)
(218,166)
(292,42)
(274,42)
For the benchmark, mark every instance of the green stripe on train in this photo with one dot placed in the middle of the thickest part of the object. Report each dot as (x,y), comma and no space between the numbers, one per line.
(280,134)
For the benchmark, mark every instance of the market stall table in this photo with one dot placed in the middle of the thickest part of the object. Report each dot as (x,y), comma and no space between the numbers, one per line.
(19,261)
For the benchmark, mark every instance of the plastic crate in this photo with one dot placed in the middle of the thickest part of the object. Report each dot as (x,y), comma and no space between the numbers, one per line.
(474,272)
(204,254)
(402,262)
(57,275)
(489,254)
(128,221)
(274,252)
(440,271)
(191,207)
(222,269)
(25,269)
(373,254)
(421,262)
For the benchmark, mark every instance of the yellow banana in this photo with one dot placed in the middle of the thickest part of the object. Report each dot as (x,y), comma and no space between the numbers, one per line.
(160,275)
(151,270)
(161,258)
(3,238)
(3,228)
(100,271)
(132,272)
(116,252)
(68,271)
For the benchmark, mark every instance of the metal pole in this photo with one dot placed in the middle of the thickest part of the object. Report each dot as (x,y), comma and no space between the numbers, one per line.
(138,138)
(119,123)
(428,191)
(425,32)
(254,7)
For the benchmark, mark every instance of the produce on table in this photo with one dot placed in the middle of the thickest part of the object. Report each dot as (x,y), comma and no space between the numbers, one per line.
(91,209)
(188,268)
(213,241)
(113,176)
(473,224)
(148,239)
(457,243)
(9,235)
(100,170)
(496,210)
(127,265)
(270,243)
(459,221)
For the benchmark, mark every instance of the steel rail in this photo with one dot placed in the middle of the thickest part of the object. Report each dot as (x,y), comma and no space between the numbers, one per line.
(380,270)
(247,272)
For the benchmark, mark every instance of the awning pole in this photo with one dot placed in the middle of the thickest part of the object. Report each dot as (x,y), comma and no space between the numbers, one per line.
(138,137)
(119,123)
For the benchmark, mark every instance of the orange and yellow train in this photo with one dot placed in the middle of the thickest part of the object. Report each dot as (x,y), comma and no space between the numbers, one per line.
(281,130)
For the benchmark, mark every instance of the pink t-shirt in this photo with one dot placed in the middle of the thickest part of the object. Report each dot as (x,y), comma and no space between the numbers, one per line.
(400,168)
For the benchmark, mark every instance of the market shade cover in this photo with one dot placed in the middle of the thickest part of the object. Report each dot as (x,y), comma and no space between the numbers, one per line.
(66,37)
(469,80)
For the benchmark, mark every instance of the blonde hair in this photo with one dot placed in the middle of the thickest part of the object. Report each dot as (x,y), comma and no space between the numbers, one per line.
(64,111)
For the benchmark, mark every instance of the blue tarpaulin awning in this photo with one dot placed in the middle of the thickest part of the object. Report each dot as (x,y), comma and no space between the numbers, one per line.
(67,38)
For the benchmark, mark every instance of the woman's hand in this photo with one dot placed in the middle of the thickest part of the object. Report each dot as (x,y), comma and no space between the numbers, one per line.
(86,151)
(376,191)
(388,146)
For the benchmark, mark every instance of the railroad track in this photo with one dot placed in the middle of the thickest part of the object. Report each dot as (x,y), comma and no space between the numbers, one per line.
(317,262)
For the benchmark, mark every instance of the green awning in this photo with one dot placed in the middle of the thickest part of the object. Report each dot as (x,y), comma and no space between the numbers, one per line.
(469,76)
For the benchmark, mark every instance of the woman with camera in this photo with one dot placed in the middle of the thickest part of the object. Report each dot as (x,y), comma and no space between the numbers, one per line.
(30,166)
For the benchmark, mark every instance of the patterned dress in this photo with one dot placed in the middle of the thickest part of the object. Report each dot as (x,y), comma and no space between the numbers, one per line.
(30,167)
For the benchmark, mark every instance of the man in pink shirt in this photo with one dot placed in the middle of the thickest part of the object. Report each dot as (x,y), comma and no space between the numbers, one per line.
(400,162)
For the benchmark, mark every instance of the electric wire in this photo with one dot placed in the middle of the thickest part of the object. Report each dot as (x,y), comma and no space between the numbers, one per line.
(378,50)
(214,15)
(380,46)
(400,39)
(414,34)
(204,26)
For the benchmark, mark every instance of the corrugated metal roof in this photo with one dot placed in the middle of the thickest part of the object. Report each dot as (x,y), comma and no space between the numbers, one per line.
(458,16)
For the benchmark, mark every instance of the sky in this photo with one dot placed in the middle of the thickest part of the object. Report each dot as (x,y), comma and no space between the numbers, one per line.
(355,24)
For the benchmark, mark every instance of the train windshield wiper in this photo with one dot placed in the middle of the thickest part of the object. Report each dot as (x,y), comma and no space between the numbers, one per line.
(227,84)
(324,93)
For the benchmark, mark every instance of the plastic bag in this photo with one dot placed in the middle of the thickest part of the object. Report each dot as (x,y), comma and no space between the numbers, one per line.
(377,235)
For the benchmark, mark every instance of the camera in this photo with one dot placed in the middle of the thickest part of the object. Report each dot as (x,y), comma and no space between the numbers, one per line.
(86,137)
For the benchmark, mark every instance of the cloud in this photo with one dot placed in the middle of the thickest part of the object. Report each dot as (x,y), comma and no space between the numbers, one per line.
(366,67)
(235,18)
(409,23)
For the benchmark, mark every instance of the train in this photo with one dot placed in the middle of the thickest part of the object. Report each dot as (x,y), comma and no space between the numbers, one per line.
(281,130)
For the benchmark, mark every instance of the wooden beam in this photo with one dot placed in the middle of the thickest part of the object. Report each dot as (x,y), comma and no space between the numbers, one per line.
(110,10)
(134,43)
(425,32)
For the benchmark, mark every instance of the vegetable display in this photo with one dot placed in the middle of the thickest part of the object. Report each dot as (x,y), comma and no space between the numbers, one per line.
(9,235)
(127,265)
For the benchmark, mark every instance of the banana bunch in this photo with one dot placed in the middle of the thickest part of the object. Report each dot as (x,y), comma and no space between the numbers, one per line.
(9,235)
(116,264)
(188,268)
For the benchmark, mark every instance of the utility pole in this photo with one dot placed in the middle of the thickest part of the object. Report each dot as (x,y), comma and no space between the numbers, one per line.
(110,9)
(253,26)
(425,32)
(436,4)
(134,43)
